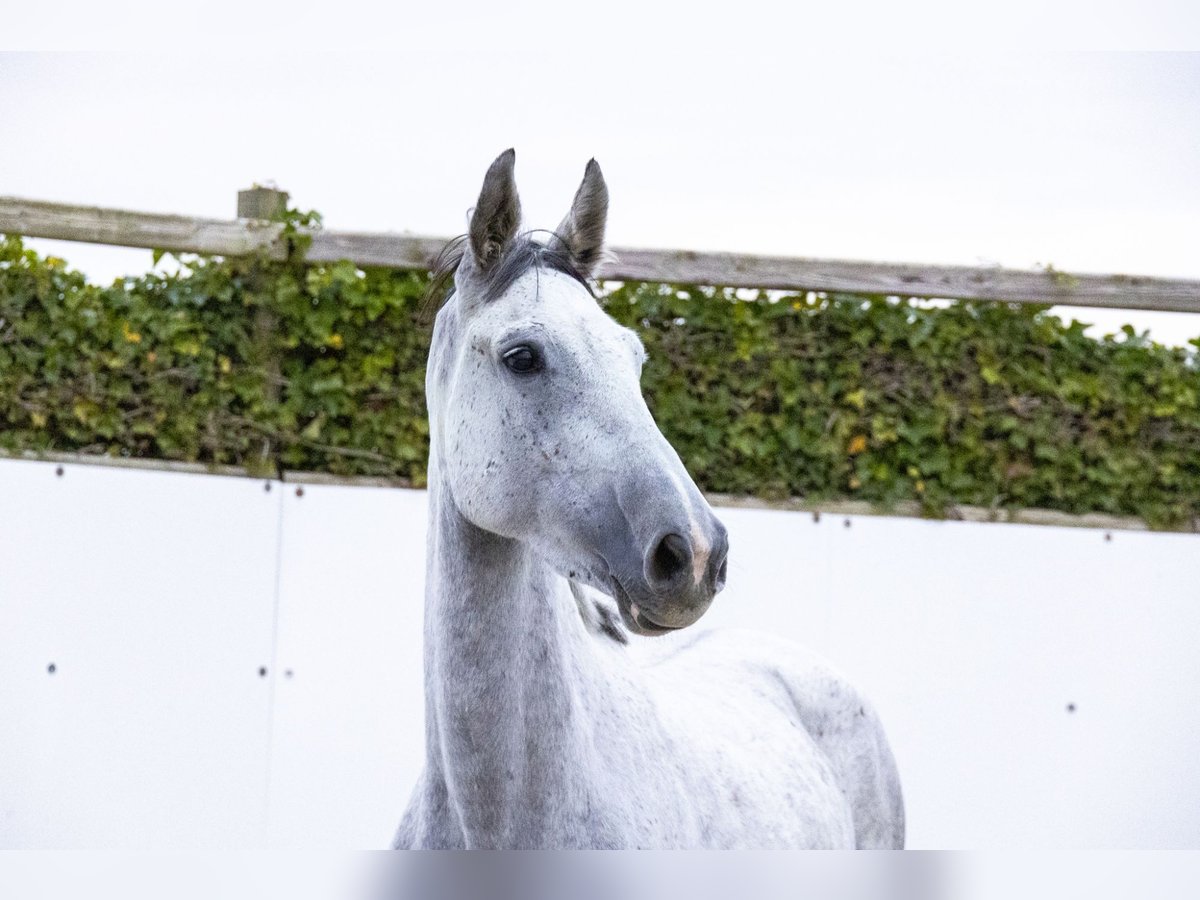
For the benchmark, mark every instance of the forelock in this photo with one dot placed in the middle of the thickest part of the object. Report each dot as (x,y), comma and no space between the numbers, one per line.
(523,253)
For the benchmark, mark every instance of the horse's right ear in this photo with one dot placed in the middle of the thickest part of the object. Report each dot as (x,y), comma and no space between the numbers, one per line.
(497,215)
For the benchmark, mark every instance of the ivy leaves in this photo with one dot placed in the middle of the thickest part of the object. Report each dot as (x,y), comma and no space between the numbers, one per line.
(283,365)
(885,400)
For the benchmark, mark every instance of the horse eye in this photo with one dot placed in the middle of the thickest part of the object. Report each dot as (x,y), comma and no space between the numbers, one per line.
(522,360)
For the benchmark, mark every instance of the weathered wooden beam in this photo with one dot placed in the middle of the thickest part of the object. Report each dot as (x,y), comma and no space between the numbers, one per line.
(905,279)
(401,251)
(387,251)
(155,231)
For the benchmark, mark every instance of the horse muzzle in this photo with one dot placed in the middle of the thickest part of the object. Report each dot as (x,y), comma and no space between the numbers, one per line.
(682,571)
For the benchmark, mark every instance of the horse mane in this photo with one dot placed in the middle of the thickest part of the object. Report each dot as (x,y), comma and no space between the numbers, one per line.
(523,253)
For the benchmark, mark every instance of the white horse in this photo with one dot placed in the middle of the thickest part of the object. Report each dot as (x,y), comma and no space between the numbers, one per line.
(560,521)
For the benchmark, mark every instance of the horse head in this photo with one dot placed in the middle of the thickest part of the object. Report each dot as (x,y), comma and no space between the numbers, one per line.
(538,425)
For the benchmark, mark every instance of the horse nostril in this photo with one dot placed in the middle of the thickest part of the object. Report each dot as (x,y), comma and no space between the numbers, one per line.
(719,564)
(670,560)
(722,572)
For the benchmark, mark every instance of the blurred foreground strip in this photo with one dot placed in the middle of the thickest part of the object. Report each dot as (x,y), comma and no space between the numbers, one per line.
(636,875)
(849,875)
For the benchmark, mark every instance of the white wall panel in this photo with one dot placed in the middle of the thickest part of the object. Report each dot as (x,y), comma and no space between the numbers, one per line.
(348,739)
(152,595)
(781,575)
(974,640)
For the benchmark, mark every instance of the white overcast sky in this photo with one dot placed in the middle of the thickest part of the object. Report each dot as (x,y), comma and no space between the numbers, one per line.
(1087,161)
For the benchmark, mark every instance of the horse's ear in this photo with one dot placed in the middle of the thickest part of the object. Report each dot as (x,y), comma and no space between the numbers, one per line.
(498,213)
(582,231)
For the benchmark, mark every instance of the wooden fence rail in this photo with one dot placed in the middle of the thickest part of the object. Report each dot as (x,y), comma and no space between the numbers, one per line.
(243,236)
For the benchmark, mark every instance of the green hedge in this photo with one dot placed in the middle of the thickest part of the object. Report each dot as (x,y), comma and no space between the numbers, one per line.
(282,365)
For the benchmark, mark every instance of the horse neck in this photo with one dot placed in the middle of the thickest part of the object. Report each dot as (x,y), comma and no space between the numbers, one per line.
(509,672)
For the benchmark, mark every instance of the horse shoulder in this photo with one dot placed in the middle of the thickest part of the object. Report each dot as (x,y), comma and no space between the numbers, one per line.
(836,715)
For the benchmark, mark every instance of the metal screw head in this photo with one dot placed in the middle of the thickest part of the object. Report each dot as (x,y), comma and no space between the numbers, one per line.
(59,471)
(299,492)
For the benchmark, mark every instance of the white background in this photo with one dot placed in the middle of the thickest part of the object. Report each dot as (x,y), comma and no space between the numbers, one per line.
(159,596)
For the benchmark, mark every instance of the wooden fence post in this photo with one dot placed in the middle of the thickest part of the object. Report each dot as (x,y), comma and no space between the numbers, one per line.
(262,203)
(265,204)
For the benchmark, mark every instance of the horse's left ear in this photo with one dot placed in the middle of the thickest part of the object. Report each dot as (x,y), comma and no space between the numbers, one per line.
(582,231)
